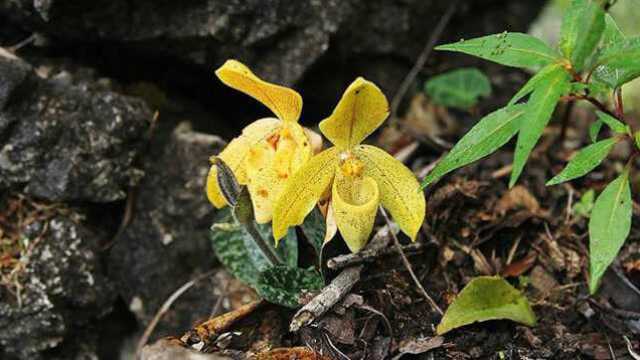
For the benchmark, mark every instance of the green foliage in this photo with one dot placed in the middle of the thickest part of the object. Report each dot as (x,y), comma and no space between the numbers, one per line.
(283,285)
(460,88)
(314,229)
(609,226)
(618,63)
(595,58)
(584,206)
(488,135)
(539,110)
(507,48)
(585,160)
(487,298)
(581,30)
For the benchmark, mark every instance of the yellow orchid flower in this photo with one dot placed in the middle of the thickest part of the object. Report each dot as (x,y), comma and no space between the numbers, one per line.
(359,177)
(269,150)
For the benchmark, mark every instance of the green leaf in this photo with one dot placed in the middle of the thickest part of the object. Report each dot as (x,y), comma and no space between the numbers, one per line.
(487,136)
(594,130)
(283,285)
(612,33)
(539,78)
(582,27)
(584,206)
(228,239)
(287,248)
(584,161)
(507,48)
(459,88)
(314,228)
(614,124)
(540,107)
(609,226)
(487,298)
(618,63)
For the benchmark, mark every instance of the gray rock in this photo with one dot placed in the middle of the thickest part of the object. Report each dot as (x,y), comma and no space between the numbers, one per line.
(66,143)
(281,39)
(63,289)
(166,243)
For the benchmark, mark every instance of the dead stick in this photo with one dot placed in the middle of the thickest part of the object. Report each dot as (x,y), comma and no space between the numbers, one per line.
(164,308)
(342,261)
(407,265)
(327,298)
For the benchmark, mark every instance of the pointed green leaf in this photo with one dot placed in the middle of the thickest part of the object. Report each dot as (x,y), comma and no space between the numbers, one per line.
(535,81)
(582,27)
(614,124)
(283,285)
(487,298)
(594,130)
(460,88)
(584,161)
(508,48)
(539,109)
(612,33)
(487,136)
(609,227)
(618,63)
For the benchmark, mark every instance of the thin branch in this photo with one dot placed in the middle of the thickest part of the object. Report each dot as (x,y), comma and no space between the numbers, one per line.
(327,298)
(422,58)
(343,261)
(407,265)
(165,307)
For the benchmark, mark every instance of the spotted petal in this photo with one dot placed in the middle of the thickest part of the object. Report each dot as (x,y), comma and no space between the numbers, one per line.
(355,203)
(236,152)
(361,110)
(270,164)
(303,191)
(399,190)
(285,103)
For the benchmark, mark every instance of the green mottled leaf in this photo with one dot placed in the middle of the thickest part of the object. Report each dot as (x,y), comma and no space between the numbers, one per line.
(459,88)
(535,81)
(508,48)
(618,63)
(228,239)
(584,161)
(582,27)
(314,229)
(487,136)
(539,109)
(487,298)
(609,227)
(614,124)
(287,248)
(283,285)
(584,206)
(594,130)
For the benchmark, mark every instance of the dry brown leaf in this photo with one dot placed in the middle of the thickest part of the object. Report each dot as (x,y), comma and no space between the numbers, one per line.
(517,198)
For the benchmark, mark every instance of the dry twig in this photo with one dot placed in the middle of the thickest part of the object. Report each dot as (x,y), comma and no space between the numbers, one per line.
(407,265)
(329,296)
(343,261)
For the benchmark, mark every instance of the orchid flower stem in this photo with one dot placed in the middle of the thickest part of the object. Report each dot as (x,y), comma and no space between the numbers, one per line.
(267,251)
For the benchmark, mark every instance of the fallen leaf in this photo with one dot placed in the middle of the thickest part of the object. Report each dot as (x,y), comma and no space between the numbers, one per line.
(516,198)
(419,345)
(487,298)
(298,353)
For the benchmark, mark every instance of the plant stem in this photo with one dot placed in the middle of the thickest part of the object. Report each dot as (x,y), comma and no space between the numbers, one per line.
(619,106)
(268,251)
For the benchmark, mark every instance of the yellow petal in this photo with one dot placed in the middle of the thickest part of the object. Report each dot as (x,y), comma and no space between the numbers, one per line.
(284,102)
(235,153)
(355,203)
(361,110)
(270,164)
(303,191)
(400,192)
